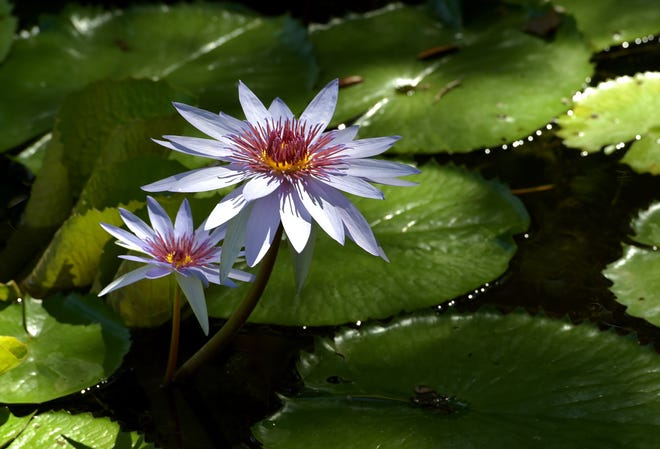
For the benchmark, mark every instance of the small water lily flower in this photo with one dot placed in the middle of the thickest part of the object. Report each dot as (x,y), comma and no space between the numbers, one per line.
(192,256)
(292,171)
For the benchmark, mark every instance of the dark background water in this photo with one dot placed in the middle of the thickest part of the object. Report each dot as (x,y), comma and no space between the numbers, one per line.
(580,210)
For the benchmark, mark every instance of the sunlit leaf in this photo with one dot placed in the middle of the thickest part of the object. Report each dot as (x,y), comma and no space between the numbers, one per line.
(454,227)
(472,381)
(636,283)
(614,112)
(11,425)
(12,353)
(73,342)
(493,84)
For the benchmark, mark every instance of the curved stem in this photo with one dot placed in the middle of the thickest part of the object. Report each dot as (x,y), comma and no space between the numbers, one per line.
(227,332)
(174,339)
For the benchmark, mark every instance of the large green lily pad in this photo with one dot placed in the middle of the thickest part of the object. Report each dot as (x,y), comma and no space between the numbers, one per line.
(636,283)
(445,237)
(203,47)
(61,429)
(472,381)
(500,84)
(613,22)
(615,112)
(73,343)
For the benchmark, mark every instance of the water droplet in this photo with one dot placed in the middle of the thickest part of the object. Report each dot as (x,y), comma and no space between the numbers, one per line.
(584,153)
(505,146)
(487,151)
(638,137)
(625,44)
(341,126)
(358,323)
(538,132)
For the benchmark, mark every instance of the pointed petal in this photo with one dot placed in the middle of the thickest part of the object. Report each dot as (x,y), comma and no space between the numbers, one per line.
(358,229)
(322,107)
(374,168)
(260,229)
(140,259)
(125,238)
(241,275)
(296,220)
(197,146)
(214,125)
(136,225)
(368,147)
(234,241)
(255,111)
(159,219)
(280,111)
(127,279)
(194,293)
(199,180)
(314,199)
(394,182)
(183,224)
(157,271)
(260,186)
(226,209)
(302,261)
(351,184)
(343,136)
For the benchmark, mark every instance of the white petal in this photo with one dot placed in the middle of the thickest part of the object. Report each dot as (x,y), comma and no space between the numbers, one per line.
(226,209)
(280,111)
(260,186)
(394,182)
(314,199)
(351,184)
(302,261)
(194,292)
(199,180)
(242,276)
(126,239)
(367,147)
(183,224)
(160,221)
(296,220)
(127,279)
(322,107)
(261,227)
(207,122)
(234,241)
(197,146)
(343,136)
(136,225)
(254,109)
(374,168)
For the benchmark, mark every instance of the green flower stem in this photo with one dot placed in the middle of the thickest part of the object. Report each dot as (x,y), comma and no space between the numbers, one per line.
(174,340)
(218,342)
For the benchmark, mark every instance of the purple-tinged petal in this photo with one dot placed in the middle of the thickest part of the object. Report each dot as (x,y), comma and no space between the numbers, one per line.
(136,225)
(194,293)
(254,109)
(197,146)
(280,111)
(322,107)
(211,124)
(374,168)
(351,184)
(157,271)
(234,241)
(160,221)
(343,136)
(140,259)
(211,238)
(199,180)
(302,260)
(241,275)
(260,186)
(357,227)
(125,238)
(367,147)
(296,220)
(394,182)
(322,211)
(260,228)
(183,224)
(127,279)
(226,209)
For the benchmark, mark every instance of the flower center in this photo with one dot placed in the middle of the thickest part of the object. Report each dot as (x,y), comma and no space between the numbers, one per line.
(178,259)
(286,148)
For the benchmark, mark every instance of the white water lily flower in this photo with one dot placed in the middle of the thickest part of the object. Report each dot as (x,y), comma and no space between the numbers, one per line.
(191,255)
(291,172)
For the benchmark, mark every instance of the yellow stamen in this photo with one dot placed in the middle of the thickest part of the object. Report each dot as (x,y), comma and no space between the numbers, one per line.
(285,166)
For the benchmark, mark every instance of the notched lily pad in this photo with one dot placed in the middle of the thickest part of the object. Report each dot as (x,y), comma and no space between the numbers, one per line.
(454,226)
(615,112)
(477,381)
(73,342)
(498,83)
(635,279)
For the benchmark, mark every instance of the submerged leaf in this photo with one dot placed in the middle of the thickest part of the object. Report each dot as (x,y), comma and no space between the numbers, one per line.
(454,227)
(472,381)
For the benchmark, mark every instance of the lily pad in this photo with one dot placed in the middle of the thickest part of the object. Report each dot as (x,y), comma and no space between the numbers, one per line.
(7,28)
(73,343)
(612,22)
(12,353)
(493,84)
(61,429)
(635,279)
(204,47)
(472,381)
(11,425)
(615,112)
(454,227)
